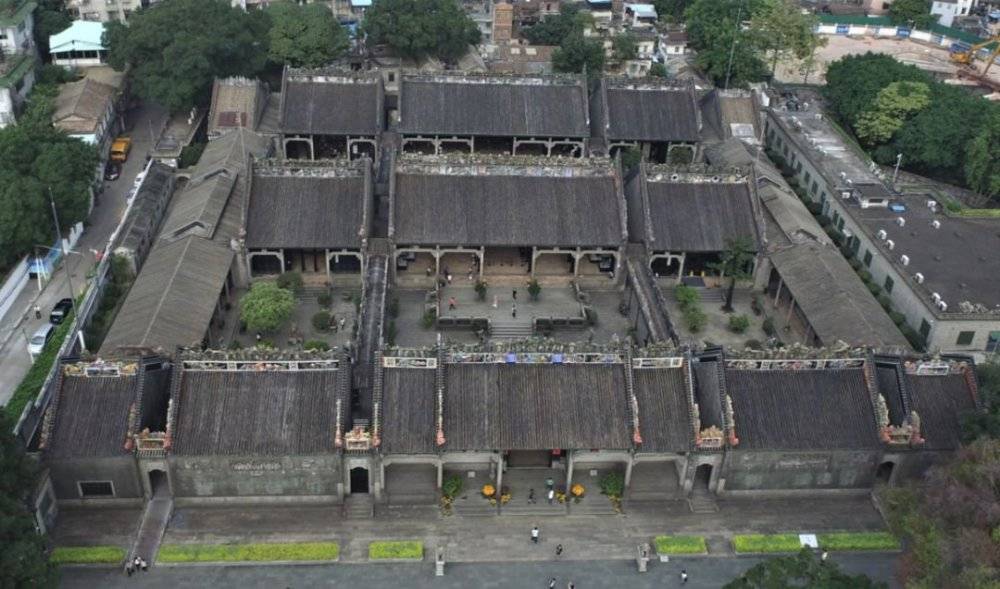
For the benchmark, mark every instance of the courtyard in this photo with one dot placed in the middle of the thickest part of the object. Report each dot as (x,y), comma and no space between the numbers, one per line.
(716,329)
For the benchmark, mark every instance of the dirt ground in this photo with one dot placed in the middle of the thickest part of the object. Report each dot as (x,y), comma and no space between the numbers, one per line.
(926,57)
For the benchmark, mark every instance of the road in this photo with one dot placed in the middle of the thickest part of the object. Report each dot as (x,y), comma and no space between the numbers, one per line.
(707,572)
(20,321)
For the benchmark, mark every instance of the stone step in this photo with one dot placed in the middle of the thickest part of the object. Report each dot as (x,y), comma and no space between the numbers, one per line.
(593,506)
(358,507)
(702,503)
(542,508)
(476,508)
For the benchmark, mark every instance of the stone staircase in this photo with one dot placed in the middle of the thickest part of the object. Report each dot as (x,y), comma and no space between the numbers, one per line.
(711,295)
(312,292)
(511,330)
(520,506)
(154,523)
(474,506)
(702,501)
(358,506)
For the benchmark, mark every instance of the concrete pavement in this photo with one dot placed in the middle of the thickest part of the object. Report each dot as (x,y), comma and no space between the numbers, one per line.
(707,572)
(106,215)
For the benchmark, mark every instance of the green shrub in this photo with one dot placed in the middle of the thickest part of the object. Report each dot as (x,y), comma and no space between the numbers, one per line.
(534,289)
(235,345)
(695,319)
(916,340)
(613,484)
(768,326)
(316,344)
(814,207)
(266,306)
(865,276)
(686,296)
(858,541)
(430,316)
(390,333)
(855,264)
(32,382)
(767,543)
(883,299)
(392,307)
(739,323)
(325,299)
(290,281)
(680,545)
(753,344)
(591,315)
(409,550)
(452,486)
(321,321)
(87,555)
(481,290)
(190,155)
(897,317)
(874,288)
(249,552)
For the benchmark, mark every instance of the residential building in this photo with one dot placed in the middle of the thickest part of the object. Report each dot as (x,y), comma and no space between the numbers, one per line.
(674,43)
(17,25)
(936,268)
(79,46)
(89,109)
(948,10)
(17,78)
(106,10)
(640,15)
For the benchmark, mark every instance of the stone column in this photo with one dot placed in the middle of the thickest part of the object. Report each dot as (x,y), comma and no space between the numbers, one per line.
(628,470)
(482,262)
(534,258)
(437,263)
(680,268)
(440,472)
(777,292)
(327,261)
(569,470)
(499,479)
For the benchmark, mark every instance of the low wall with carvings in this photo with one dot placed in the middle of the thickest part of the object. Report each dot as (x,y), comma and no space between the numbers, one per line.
(256,476)
(780,471)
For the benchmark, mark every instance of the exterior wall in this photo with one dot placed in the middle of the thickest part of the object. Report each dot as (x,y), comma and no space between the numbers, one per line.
(256,476)
(121,471)
(909,465)
(773,470)
(106,10)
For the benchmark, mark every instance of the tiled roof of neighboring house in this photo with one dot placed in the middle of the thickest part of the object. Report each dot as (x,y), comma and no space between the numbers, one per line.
(471,408)
(537,106)
(676,37)
(826,409)
(320,208)
(236,102)
(156,189)
(92,416)
(520,204)
(664,415)
(82,35)
(331,102)
(262,413)
(941,402)
(82,105)
(644,112)
(730,114)
(699,216)
(174,297)
(408,410)
(836,303)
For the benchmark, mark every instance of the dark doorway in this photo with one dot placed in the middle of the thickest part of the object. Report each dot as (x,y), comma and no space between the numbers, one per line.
(529,459)
(359,480)
(702,477)
(884,473)
(158,485)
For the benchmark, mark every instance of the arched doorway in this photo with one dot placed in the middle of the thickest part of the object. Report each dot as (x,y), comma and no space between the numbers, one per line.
(359,480)
(158,484)
(883,475)
(702,477)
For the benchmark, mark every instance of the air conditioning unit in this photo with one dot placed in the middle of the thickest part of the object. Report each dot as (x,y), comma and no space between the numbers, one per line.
(847,232)
(935,297)
(919,278)
(942,305)
(882,235)
(936,224)
(845,194)
(932,204)
(905,259)
(900,221)
(843,175)
(890,243)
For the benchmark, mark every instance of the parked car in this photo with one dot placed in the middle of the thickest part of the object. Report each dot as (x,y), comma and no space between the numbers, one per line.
(112,171)
(42,336)
(60,311)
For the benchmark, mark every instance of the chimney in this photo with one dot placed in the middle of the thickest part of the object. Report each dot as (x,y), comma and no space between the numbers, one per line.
(503,24)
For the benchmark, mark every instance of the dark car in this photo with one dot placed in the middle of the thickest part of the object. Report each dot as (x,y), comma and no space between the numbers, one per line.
(60,311)
(112,171)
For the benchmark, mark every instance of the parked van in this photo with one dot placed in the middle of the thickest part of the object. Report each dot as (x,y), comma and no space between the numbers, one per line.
(42,336)
(120,148)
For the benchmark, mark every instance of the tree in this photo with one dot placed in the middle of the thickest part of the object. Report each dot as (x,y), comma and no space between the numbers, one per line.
(551,30)
(577,53)
(51,17)
(986,423)
(894,104)
(625,46)
(780,27)
(177,47)
(726,53)
(734,263)
(22,560)
(304,35)
(671,10)
(915,13)
(982,162)
(266,306)
(658,70)
(35,159)
(853,82)
(801,570)
(421,28)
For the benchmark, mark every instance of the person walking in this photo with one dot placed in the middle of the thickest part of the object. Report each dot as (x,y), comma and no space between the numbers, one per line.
(534,534)
(531,496)
(128,568)
(549,483)
(824,556)
(513,310)
(552,583)
(559,550)
(38,312)
(513,294)
(551,495)
(136,563)
(570,585)
(451,303)
(144,565)
(684,577)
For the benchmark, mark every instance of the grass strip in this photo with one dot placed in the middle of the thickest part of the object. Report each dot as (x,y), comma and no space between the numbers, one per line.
(409,549)
(858,541)
(87,555)
(248,552)
(767,543)
(32,382)
(680,545)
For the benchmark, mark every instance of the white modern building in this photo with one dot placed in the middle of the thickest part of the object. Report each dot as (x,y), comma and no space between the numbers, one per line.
(79,46)
(947,10)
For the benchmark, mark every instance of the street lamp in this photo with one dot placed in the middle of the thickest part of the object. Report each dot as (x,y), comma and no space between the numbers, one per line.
(899,160)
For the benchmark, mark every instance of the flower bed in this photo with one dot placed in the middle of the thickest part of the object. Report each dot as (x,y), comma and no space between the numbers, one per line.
(400,550)
(858,541)
(88,555)
(767,543)
(680,545)
(248,552)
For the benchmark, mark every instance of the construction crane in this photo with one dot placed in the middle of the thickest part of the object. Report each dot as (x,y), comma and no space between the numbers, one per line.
(968,56)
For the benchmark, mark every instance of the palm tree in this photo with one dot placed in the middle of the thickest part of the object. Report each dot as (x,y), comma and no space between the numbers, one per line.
(734,263)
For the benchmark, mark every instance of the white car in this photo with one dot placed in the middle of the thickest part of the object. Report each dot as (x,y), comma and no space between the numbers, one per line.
(41,337)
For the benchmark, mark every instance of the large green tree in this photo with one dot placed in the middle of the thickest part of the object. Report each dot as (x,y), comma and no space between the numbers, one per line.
(893,105)
(853,82)
(985,423)
(578,53)
(551,30)
(34,159)
(625,46)
(671,10)
(727,52)
(421,28)
(784,32)
(802,570)
(266,306)
(916,13)
(51,17)
(23,562)
(982,162)
(304,35)
(177,47)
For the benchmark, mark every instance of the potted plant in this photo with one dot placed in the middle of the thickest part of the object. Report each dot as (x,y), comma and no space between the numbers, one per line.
(534,289)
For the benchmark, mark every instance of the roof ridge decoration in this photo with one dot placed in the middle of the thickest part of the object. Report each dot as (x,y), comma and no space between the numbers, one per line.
(509,165)
(324,168)
(439,381)
(646,83)
(728,416)
(633,401)
(698,174)
(333,75)
(134,408)
(492,78)
(176,383)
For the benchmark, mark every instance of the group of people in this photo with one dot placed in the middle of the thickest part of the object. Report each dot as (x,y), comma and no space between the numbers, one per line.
(135,565)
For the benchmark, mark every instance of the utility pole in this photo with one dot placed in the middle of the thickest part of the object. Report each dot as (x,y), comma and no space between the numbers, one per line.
(732,50)
(899,160)
(69,279)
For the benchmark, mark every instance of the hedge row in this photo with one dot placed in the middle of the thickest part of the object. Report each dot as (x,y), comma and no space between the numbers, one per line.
(249,552)
(411,549)
(88,555)
(858,541)
(680,545)
(32,383)
(767,543)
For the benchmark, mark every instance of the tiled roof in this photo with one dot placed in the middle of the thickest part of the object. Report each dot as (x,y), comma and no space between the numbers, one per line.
(92,416)
(409,410)
(941,402)
(699,217)
(652,114)
(664,415)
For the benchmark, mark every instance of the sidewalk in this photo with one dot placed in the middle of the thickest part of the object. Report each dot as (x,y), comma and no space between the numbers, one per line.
(106,215)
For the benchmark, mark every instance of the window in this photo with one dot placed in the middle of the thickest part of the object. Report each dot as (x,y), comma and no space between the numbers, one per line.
(815,187)
(808,178)
(868,258)
(965,338)
(925,328)
(96,489)
(822,197)
(889,283)
(840,224)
